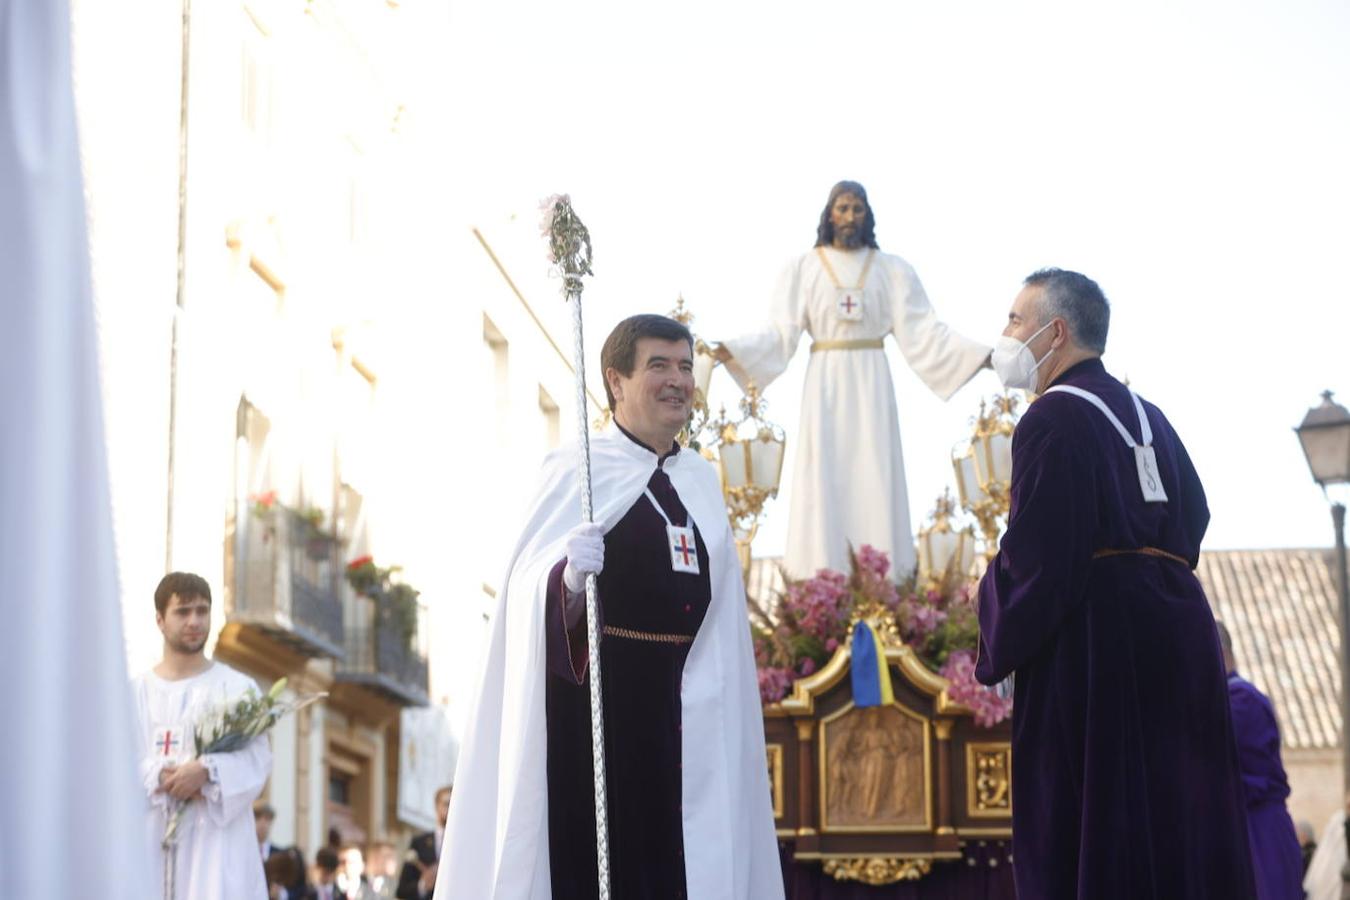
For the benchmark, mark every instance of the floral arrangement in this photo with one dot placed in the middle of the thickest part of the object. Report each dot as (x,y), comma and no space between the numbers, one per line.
(227,727)
(813,617)
(396,601)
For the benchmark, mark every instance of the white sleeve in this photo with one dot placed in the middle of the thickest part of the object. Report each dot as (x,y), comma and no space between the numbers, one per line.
(763,355)
(944,359)
(236,779)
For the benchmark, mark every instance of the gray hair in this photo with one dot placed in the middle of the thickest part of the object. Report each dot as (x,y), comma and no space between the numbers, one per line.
(1078,301)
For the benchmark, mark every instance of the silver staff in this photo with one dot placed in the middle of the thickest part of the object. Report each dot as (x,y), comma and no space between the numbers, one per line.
(570,249)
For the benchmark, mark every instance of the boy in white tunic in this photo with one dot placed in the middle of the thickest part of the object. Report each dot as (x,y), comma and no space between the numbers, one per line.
(217,852)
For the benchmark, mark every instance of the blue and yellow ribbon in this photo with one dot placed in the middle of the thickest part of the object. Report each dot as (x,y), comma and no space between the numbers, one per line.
(871,675)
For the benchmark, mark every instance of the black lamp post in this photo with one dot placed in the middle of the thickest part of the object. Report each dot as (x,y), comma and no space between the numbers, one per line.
(1325,435)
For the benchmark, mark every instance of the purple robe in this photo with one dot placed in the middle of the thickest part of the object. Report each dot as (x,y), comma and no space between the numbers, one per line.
(1125,774)
(1277,859)
(640,685)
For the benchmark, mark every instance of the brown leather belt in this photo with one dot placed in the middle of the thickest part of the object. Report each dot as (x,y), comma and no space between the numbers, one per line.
(1142,551)
(614,631)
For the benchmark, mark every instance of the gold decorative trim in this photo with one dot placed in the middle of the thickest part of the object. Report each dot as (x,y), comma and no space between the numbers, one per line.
(989,780)
(877,871)
(649,636)
(265,272)
(822,785)
(774,752)
(858,344)
(802,700)
(984,832)
(943,729)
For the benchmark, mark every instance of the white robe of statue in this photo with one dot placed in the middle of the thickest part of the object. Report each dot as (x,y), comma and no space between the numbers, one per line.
(218,856)
(848,482)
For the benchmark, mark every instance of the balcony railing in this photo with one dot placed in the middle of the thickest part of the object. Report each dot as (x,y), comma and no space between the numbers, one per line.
(381,656)
(287,578)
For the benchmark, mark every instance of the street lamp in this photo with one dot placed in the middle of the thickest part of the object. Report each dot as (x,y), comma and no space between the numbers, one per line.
(1325,436)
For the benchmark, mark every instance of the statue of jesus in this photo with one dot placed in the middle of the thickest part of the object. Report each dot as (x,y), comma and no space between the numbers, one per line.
(849,478)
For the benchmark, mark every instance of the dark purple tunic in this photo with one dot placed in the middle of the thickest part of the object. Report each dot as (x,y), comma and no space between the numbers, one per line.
(1277,859)
(1125,775)
(641,679)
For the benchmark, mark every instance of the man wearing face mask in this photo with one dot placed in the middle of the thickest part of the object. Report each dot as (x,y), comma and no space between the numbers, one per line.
(1124,764)
(689,804)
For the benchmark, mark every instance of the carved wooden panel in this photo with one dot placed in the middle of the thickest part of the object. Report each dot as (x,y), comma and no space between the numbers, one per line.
(989,780)
(875,770)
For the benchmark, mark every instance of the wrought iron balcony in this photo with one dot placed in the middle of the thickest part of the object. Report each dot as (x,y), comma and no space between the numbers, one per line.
(384,653)
(286,581)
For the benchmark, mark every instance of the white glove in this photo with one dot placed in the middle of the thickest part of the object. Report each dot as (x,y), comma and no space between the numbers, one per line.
(585,555)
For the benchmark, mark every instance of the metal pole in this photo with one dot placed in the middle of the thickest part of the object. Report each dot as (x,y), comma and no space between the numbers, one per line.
(570,249)
(592,610)
(1343,596)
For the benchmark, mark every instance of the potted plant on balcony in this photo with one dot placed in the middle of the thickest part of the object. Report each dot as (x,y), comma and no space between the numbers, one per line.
(395,601)
(319,542)
(262,506)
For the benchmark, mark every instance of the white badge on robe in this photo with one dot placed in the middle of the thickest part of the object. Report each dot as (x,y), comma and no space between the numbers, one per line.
(680,541)
(1145,460)
(849,303)
(169,743)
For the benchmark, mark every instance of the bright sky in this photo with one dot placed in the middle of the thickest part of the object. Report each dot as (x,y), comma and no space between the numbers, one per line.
(1193,158)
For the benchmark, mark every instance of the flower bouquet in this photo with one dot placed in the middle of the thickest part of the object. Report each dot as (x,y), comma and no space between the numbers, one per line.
(227,727)
(813,617)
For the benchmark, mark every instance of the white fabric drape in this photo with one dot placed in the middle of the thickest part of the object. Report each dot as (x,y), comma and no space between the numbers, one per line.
(848,480)
(69,809)
(496,842)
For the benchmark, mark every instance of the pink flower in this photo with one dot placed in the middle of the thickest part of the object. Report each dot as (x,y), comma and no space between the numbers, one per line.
(831,645)
(989,708)
(774,684)
(807,667)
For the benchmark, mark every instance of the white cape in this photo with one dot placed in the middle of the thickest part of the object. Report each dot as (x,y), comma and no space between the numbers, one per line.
(496,842)
(848,478)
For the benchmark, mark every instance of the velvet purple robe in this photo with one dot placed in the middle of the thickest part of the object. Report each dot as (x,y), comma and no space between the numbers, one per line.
(638,591)
(1125,774)
(1277,859)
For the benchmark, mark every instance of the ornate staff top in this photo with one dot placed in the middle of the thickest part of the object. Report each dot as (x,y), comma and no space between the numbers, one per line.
(569,243)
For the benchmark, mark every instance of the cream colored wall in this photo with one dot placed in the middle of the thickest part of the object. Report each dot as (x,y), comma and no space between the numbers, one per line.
(1314,784)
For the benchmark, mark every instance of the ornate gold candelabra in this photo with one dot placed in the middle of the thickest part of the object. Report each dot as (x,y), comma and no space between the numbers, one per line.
(748,451)
(984,469)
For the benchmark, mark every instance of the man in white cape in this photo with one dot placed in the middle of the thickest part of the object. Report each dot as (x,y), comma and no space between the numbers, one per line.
(217,855)
(689,804)
(848,478)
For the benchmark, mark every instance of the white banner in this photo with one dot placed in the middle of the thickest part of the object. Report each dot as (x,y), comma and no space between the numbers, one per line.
(426,762)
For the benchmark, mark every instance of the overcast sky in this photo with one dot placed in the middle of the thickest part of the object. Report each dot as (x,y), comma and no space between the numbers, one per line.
(1193,158)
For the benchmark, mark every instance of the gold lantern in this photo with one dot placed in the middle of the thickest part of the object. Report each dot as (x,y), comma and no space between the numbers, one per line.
(984,468)
(944,550)
(749,456)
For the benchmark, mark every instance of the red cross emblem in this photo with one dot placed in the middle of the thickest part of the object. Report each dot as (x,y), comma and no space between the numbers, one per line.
(167,743)
(684,549)
(848,304)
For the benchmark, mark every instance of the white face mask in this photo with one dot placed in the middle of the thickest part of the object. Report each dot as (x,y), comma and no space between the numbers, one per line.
(1014,362)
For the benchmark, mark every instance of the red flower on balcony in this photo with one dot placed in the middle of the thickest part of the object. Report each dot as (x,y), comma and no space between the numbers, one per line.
(360,562)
